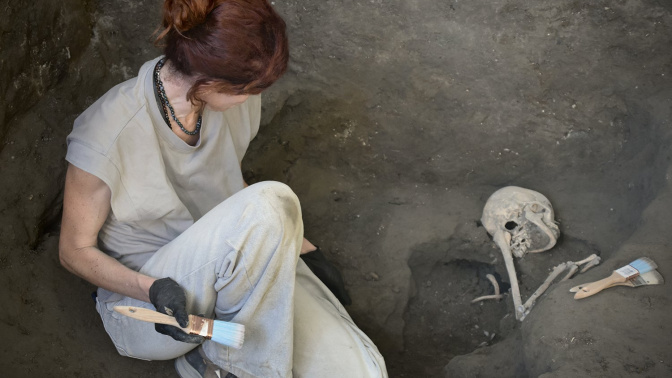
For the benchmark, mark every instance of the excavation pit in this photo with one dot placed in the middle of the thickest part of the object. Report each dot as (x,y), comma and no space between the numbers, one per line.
(394,124)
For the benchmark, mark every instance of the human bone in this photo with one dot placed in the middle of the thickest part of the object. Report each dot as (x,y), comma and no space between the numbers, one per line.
(522,221)
(495,286)
(527,216)
(571,266)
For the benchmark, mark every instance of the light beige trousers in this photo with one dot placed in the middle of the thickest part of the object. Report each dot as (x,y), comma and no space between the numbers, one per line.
(240,263)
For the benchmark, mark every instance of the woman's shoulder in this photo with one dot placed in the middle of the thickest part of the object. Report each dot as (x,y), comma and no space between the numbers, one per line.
(102,122)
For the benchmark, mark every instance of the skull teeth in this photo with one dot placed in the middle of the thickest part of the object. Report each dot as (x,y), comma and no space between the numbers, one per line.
(520,243)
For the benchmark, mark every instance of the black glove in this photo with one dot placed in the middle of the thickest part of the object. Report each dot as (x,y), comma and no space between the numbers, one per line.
(168,298)
(328,274)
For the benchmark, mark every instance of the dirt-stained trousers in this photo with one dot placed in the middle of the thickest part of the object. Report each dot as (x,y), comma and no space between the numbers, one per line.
(240,263)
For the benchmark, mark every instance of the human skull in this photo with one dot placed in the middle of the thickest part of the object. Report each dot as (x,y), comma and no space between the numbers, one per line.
(527,216)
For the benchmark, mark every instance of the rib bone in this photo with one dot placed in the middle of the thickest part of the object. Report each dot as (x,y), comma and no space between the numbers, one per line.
(495,285)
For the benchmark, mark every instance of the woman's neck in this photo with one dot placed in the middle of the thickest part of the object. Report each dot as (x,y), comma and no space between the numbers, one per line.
(176,87)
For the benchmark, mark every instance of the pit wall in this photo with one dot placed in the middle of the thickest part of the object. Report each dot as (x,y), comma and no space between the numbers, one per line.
(56,58)
(40,43)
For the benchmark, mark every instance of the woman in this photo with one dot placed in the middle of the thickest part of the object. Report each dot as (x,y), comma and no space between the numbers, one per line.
(156,213)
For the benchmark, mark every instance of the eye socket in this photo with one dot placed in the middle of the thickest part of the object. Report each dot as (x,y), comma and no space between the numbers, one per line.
(511,225)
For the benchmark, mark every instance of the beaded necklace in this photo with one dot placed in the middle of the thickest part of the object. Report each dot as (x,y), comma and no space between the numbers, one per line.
(165,104)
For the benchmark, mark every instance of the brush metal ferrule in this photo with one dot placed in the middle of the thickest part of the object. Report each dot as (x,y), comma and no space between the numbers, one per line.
(201,326)
(628,272)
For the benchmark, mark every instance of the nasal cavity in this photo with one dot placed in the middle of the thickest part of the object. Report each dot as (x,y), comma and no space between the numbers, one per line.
(511,225)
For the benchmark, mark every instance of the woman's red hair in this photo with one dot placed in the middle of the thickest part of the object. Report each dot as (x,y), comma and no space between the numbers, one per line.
(229,46)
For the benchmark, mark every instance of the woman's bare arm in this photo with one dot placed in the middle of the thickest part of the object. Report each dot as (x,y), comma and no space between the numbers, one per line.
(86,205)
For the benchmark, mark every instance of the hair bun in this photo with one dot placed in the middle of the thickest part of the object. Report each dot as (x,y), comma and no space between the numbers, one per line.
(183,15)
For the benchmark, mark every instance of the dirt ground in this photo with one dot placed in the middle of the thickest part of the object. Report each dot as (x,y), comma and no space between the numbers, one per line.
(396,121)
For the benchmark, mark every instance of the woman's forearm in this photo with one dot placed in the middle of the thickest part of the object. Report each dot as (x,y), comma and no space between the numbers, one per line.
(104,271)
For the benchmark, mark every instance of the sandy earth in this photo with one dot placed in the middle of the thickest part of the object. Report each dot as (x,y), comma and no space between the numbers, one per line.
(395,122)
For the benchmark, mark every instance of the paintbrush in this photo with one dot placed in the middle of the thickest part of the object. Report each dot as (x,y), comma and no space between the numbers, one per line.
(219,331)
(648,278)
(630,271)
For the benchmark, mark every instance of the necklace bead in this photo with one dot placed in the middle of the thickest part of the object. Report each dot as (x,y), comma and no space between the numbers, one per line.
(167,108)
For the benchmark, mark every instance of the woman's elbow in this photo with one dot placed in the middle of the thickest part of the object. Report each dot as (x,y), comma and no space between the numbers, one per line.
(65,254)
(63,258)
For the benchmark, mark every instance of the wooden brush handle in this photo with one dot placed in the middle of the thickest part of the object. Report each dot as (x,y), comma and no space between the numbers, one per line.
(595,287)
(579,287)
(147,315)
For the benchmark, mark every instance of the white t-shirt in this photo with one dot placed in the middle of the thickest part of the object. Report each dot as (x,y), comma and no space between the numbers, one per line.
(160,185)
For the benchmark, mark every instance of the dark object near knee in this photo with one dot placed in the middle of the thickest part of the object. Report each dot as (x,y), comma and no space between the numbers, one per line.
(328,274)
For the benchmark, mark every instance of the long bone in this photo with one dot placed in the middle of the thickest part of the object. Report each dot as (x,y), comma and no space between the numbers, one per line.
(544,286)
(572,271)
(502,239)
(572,266)
(594,261)
(590,262)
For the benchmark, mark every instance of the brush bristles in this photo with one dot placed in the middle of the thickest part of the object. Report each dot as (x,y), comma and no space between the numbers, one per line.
(639,281)
(643,265)
(648,278)
(653,278)
(229,334)
(658,277)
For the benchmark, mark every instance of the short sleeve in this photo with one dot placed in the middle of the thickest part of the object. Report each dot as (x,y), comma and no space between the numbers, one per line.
(255,115)
(243,124)
(96,163)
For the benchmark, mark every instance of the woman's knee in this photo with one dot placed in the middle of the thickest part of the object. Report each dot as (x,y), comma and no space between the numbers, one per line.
(280,198)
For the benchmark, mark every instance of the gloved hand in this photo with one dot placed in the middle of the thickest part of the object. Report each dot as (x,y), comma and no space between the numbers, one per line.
(169,298)
(328,274)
